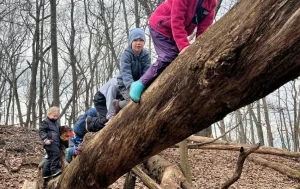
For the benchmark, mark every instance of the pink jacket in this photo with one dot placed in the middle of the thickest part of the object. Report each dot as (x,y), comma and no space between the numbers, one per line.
(173,17)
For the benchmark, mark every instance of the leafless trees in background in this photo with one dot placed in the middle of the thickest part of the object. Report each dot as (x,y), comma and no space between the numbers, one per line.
(86,39)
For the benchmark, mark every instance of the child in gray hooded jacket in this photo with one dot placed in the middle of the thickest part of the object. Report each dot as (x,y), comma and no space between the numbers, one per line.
(134,62)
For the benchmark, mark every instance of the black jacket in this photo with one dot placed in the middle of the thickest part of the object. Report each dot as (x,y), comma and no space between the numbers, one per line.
(50,130)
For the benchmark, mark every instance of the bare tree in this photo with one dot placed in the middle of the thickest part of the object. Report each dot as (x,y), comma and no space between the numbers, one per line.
(54,48)
(268,124)
(240,66)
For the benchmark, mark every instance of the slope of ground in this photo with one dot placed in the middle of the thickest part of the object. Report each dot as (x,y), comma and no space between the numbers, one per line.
(21,150)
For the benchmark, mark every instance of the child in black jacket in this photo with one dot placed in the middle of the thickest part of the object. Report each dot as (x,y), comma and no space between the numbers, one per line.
(50,134)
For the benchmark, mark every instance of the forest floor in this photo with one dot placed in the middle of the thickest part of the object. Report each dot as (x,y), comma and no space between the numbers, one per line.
(21,151)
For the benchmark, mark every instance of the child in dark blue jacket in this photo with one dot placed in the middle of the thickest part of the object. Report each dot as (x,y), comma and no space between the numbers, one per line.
(88,122)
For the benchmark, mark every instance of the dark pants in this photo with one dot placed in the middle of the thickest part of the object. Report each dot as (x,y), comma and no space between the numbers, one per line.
(166,50)
(95,124)
(100,104)
(51,165)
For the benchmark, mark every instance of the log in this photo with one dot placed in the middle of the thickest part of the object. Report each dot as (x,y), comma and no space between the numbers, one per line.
(148,181)
(247,54)
(226,145)
(239,165)
(292,173)
(169,175)
(30,185)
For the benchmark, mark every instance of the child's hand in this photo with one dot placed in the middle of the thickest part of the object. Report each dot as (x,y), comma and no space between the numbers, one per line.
(76,151)
(48,142)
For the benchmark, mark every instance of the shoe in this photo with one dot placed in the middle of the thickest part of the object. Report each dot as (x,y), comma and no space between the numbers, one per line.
(136,91)
(117,108)
(46,177)
(58,172)
(87,123)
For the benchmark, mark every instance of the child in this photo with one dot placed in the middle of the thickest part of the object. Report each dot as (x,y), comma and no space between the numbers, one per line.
(72,150)
(88,122)
(50,134)
(134,62)
(81,128)
(103,99)
(170,25)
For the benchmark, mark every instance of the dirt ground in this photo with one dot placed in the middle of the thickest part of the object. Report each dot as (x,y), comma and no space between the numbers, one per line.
(21,151)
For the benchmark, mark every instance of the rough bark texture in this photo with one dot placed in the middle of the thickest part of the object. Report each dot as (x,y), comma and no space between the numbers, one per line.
(246,55)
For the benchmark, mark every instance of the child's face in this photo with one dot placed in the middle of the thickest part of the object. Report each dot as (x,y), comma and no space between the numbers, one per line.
(137,45)
(54,115)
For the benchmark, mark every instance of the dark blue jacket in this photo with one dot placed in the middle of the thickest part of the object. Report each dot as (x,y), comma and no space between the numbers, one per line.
(50,130)
(132,67)
(79,127)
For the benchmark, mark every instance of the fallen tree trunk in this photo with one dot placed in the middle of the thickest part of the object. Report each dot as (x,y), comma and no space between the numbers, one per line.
(292,173)
(169,175)
(226,145)
(30,185)
(247,54)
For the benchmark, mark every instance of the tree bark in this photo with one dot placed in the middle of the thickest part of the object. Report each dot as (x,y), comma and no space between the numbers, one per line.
(184,161)
(247,54)
(54,48)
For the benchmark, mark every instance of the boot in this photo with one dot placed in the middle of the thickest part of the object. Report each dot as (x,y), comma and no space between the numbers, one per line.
(116,106)
(136,91)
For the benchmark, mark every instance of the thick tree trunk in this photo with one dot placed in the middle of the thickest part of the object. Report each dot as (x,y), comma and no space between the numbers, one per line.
(246,55)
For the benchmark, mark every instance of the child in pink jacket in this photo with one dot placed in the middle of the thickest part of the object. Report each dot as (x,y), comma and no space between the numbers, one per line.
(170,25)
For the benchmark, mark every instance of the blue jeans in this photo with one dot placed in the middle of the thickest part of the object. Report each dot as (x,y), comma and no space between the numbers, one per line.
(69,153)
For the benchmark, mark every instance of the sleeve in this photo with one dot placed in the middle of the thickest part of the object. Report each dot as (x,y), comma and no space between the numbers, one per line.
(126,73)
(147,62)
(178,11)
(207,21)
(43,131)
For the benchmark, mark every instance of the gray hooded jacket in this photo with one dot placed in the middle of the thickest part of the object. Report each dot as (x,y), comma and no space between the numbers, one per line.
(132,67)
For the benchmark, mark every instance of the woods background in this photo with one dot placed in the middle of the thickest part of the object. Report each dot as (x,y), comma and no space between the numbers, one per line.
(43,65)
